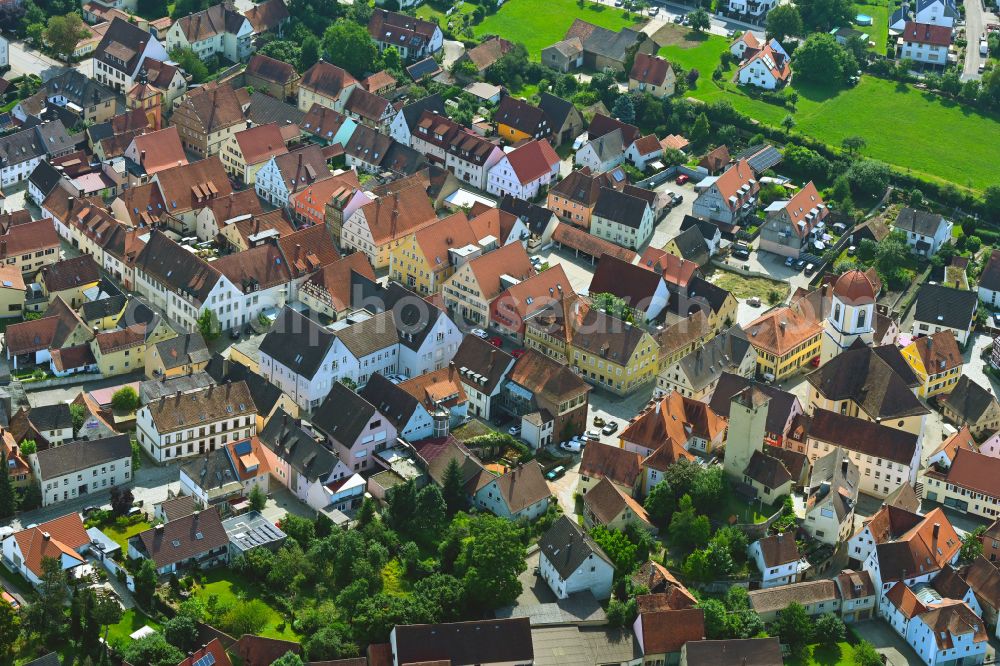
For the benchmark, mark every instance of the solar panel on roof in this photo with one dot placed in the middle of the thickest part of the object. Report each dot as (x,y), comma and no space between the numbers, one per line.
(207,660)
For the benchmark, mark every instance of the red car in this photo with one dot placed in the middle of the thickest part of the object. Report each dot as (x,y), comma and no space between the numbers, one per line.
(518,353)
(496,342)
(814,362)
(683,178)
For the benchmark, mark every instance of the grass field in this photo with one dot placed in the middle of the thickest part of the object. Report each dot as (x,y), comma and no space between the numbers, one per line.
(841,654)
(121,537)
(894,119)
(744,286)
(428,12)
(878,31)
(692,50)
(132,620)
(541,24)
(230,588)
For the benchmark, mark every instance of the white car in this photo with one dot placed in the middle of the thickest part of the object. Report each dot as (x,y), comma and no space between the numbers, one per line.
(575,445)
(514,431)
(594,434)
(479,333)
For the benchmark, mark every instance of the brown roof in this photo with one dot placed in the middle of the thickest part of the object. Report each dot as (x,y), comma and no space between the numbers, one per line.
(159,73)
(607,502)
(124,338)
(783,329)
(984,579)
(543,376)
(335,278)
(259,267)
(664,632)
(854,287)
(742,651)
(50,331)
(267,15)
(676,418)
(508,260)
(778,598)
(779,549)
(601,124)
(322,121)
(611,462)
(736,177)
(386,26)
(367,105)
(951,618)
(522,116)
(532,160)
(171,264)
(583,187)
(144,204)
(630,282)
(235,204)
(207,405)
(177,507)
(926,33)
(866,437)
(61,536)
(184,538)
(441,386)
(379,80)
(326,79)
(70,273)
(30,237)
(515,305)
(927,547)
(435,240)
(900,596)
(303,167)
(261,651)
(191,186)
(939,352)
(805,209)
(487,221)
(674,142)
(212,109)
(122,45)
(261,143)
(397,215)
(578,239)
(523,486)
(649,69)
(213,648)
(270,69)
(677,598)
(215,20)
(718,158)
(489,52)
(160,150)
(474,642)
(130,121)
(878,379)
(973,471)
(855,584)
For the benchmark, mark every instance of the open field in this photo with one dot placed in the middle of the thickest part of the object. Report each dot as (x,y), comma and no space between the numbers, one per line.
(231,588)
(540,24)
(429,12)
(744,286)
(878,31)
(824,655)
(691,49)
(121,536)
(132,621)
(895,119)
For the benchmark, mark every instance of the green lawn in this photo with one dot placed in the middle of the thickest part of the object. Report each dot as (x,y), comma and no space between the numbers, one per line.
(841,654)
(230,587)
(878,31)
(895,119)
(745,286)
(121,537)
(132,620)
(695,51)
(394,579)
(540,24)
(430,12)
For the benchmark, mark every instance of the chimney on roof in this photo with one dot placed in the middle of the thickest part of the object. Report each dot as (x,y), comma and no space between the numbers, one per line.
(935,533)
(46,536)
(843,466)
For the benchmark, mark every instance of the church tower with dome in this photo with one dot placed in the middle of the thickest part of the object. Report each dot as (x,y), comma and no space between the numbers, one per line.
(852,314)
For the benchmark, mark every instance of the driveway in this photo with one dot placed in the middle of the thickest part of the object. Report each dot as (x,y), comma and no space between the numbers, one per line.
(565,487)
(975,26)
(453,50)
(26,60)
(888,643)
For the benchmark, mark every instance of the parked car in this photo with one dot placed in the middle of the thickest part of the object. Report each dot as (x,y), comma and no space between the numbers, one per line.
(741,252)
(134,511)
(683,178)
(790,261)
(852,250)
(677,200)
(754,301)
(810,269)
(514,430)
(479,333)
(678,19)
(518,353)
(572,445)
(88,510)
(800,264)
(599,422)
(555,473)
(496,341)
(594,434)
(234,334)
(610,428)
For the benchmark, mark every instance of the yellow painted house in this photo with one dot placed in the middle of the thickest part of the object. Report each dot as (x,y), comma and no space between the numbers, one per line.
(177,356)
(605,351)
(936,360)
(119,351)
(786,340)
(429,256)
(11,292)
(68,279)
(103,314)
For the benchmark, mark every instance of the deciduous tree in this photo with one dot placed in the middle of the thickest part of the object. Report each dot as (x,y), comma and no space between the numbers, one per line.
(784,21)
(349,45)
(63,33)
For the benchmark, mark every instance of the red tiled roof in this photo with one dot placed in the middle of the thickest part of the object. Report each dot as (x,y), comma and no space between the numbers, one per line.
(532,160)
(664,632)
(926,33)
(649,69)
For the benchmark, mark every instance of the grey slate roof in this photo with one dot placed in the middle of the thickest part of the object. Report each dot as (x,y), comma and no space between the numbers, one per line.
(779,407)
(918,221)
(566,546)
(392,402)
(949,7)
(104,307)
(343,415)
(79,455)
(152,390)
(54,137)
(265,109)
(51,417)
(21,146)
(692,246)
(297,342)
(621,208)
(536,217)
(211,471)
(721,354)
(370,335)
(969,400)
(609,146)
(829,477)
(182,350)
(285,436)
(946,306)
(265,394)
(412,111)
(556,109)
(44,177)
